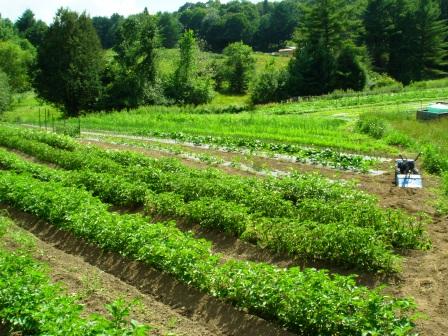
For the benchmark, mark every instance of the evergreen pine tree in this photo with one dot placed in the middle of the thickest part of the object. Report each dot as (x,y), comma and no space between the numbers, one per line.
(350,73)
(326,28)
(25,22)
(430,47)
(444,9)
(239,66)
(401,41)
(378,26)
(70,63)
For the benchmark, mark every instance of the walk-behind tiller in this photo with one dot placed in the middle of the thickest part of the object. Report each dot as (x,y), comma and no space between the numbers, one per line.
(407,174)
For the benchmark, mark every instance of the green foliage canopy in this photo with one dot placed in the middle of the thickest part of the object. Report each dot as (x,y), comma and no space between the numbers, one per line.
(16,62)
(240,65)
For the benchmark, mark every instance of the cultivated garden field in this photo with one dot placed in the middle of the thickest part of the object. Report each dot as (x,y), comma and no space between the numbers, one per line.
(224,169)
(292,217)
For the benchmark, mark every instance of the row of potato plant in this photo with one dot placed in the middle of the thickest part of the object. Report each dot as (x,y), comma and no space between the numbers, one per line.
(299,198)
(337,243)
(30,304)
(311,195)
(308,302)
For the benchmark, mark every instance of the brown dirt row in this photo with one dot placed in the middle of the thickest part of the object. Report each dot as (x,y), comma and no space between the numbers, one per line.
(168,303)
(97,288)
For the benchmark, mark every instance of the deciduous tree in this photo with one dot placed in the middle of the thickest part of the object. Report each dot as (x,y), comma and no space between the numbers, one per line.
(16,59)
(187,86)
(134,80)
(239,66)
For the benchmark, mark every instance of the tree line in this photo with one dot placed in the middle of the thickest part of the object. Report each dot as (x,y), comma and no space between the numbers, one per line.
(84,64)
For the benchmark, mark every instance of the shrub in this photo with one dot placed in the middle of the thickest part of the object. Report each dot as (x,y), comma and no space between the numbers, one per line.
(433,161)
(382,82)
(399,139)
(371,125)
(269,86)
(5,92)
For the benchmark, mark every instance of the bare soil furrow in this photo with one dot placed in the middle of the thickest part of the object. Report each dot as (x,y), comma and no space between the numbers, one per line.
(215,316)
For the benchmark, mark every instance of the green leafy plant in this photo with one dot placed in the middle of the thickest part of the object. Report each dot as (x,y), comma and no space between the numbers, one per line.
(236,205)
(372,125)
(307,302)
(31,304)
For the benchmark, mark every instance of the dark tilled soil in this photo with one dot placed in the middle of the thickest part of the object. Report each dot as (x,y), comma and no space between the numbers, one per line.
(183,309)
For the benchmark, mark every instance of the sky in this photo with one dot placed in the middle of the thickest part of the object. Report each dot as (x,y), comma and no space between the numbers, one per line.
(45,9)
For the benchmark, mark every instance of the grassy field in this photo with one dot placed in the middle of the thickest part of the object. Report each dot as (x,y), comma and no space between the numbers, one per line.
(306,130)
(27,108)
(328,121)
(168,58)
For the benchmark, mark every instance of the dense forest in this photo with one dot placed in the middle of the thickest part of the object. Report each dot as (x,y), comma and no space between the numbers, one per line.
(103,63)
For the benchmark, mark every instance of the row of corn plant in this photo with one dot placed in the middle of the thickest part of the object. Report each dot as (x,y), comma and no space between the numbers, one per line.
(308,302)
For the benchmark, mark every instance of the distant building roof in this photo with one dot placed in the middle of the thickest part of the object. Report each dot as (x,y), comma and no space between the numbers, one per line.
(287,50)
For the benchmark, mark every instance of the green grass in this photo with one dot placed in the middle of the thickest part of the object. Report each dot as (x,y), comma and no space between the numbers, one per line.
(263,59)
(328,121)
(224,100)
(167,59)
(306,130)
(26,109)
(433,132)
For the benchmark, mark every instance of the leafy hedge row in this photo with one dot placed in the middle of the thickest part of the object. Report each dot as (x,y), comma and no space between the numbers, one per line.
(341,244)
(308,302)
(32,305)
